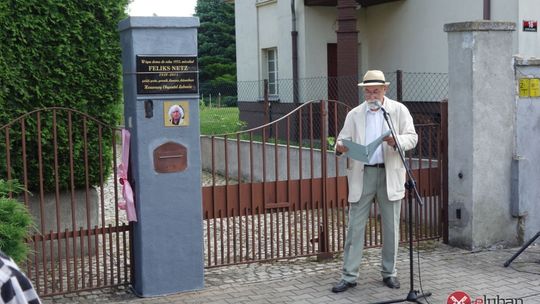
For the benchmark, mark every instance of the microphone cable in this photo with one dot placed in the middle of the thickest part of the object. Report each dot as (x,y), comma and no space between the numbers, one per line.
(419,270)
(417,239)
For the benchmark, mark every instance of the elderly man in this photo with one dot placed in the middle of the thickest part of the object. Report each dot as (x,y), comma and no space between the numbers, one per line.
(381,178)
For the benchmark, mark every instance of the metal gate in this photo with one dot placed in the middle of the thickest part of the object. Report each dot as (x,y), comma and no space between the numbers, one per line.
(80,241)
(278,191)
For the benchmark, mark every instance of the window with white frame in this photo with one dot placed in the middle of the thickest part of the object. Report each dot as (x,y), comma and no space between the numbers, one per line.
(271,70)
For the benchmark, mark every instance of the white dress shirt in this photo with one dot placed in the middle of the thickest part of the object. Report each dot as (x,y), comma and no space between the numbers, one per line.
(375,127)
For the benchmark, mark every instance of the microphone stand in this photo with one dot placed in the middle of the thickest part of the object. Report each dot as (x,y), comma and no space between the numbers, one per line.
(507,263)
(410,185)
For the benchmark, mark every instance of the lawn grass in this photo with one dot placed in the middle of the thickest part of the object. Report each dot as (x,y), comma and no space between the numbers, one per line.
(220,120)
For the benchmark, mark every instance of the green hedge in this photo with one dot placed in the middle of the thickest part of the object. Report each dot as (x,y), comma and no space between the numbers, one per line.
(15,222)
(59,53)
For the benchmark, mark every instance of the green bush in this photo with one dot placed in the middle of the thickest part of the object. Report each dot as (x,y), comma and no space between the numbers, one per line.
(15,222)
(59,53)
(229,101)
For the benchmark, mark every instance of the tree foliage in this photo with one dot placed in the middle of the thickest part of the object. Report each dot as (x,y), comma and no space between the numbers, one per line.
(217,48)
(60,53)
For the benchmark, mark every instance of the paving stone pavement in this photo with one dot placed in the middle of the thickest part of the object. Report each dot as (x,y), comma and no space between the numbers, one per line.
(444,270)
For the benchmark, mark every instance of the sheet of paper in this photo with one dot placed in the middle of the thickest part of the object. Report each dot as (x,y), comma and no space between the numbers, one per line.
(363,153)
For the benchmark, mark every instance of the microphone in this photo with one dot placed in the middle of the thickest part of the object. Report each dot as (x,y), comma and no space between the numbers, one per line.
(386,116)
(380,106)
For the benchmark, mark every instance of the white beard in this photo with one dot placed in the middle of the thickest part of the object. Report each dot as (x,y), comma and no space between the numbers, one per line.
(373,105)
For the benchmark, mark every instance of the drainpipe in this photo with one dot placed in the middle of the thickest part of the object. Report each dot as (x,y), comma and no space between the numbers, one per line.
(294,36)
(487,9)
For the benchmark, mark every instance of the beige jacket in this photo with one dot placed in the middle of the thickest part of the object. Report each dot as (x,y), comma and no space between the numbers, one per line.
(354,128)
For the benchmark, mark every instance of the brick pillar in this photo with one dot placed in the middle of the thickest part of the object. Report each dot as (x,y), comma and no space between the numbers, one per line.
(347,52)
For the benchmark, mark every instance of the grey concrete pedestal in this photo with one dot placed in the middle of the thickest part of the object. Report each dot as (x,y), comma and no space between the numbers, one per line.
(168,237)
(480,134)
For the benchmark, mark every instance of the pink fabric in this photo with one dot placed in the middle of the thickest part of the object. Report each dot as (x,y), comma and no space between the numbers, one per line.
(126,202)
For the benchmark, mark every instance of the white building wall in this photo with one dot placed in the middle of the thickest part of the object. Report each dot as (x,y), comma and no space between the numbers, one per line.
(275,26)
(247,46)
(261,25)
(247,50)
(406,35)
(319,30)
(529,42)
(504,10)
(269,25)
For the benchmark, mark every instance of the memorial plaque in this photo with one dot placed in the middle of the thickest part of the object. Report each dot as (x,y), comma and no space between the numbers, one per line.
(170,157)
(167,75)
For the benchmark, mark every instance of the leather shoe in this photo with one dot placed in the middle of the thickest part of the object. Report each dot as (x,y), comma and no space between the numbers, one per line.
(342,286)
(391,282)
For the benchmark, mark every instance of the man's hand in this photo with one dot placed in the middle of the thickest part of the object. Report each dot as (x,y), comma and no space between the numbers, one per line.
(340,148)
(390,141)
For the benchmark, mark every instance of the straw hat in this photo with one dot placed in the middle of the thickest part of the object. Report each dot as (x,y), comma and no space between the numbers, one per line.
(373,78)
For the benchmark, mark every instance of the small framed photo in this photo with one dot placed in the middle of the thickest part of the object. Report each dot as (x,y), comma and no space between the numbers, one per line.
(176,113)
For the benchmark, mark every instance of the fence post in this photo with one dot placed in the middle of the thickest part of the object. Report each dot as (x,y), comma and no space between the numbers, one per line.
(324,250)
(399,85)
(443,144)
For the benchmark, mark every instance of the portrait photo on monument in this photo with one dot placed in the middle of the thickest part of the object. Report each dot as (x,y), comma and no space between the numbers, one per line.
(175,113)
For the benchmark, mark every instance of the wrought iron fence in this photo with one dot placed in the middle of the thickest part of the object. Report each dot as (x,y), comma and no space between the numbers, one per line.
(65,158)
(278,191)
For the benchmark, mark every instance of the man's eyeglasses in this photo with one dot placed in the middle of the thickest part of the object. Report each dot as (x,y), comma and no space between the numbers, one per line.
(374,92)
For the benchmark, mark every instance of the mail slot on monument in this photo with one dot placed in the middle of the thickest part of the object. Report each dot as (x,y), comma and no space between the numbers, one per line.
(170,157)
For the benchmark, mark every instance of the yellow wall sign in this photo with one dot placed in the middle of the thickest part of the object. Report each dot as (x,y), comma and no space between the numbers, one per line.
(176,113)
(524,84)
(529,87)
(534,88)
